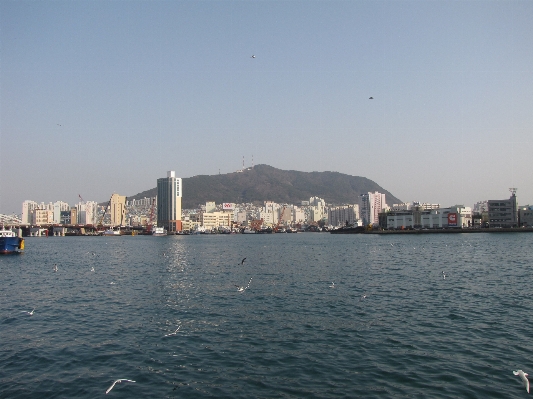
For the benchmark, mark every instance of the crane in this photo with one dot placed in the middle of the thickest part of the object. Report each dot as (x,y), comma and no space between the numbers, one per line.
(280,219)
(150,223)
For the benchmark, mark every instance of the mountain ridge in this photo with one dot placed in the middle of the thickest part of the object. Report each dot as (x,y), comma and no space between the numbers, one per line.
(266,183)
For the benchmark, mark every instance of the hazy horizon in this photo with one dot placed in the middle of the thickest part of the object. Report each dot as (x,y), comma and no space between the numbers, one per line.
(103,97)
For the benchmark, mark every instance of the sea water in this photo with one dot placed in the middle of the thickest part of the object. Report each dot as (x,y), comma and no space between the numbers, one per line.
(324,316)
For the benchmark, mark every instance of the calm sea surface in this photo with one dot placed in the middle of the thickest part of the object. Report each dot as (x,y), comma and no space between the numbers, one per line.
(289,335)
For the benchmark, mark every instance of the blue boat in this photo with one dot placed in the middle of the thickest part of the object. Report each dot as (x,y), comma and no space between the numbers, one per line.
(10,243)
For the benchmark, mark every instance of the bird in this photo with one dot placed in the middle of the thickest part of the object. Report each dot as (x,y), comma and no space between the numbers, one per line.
(30,313)
(253,56)
(443,275)
(523,376)
(174,333)
(241,289)
(332,285)
(58,124)
(371,98)
(55,268)
(92,269)
(117,382)
(242,261)
(363,296)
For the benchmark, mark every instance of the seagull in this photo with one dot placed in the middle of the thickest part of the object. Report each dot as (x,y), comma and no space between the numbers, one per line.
(371,98)
(58,124)
(92,269)
(443,275)
(117,381)
(523,376)
(242,261)
(241,289)
(363,296)
(30,313)
(253,56)
(174,333)
(55,267)
(332,285)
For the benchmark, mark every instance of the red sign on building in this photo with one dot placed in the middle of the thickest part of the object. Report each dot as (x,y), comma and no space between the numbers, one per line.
(452,219)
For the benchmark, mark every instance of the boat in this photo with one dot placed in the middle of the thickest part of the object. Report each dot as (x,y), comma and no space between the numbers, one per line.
(111,232)
(248,230)
(10,243)
(159,231)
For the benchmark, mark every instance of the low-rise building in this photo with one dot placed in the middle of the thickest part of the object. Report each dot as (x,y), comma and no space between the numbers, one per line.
(503,213)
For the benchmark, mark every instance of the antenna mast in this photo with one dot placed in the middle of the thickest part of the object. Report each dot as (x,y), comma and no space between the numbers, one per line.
(513,191)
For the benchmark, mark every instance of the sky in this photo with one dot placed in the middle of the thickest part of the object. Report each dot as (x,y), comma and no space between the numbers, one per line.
(103,97)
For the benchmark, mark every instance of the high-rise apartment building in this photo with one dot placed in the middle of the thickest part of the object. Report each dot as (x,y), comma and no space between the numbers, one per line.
(371,206)
(169,202)
(117,209)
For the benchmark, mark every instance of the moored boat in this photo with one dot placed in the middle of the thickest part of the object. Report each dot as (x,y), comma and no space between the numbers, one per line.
(111,232)
(159,231)
(10,243)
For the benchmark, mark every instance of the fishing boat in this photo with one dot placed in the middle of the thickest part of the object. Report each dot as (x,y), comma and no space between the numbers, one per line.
(10,243)
(159,231)
(111,232)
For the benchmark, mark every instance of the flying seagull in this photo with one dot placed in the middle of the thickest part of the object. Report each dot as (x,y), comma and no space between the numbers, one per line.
(371,98)
(55,267)
(30,313)
(443,275)
(253,56)
(117,381)
(332,285)
(242,289)
(523,376)
(174,333)
(242,261)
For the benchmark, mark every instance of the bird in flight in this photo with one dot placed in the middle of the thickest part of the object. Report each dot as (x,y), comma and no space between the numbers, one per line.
(443,275)
(55,267)
(242,289)
(117,382)
(242,261)
(523,376)
(174,333)
(371,98)
(30,313)
(253,56)
(332,285)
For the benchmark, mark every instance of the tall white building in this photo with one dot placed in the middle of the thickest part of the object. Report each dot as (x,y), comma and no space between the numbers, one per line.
(371,206)
(27,211)
(87,212)
(59,206)
(169,202)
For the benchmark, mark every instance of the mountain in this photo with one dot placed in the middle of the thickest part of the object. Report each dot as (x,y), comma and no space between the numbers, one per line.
(266,183)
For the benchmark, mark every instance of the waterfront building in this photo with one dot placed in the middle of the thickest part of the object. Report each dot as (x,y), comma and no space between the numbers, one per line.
(42,216)
(417,217)
(117,209)
(213,220)
(86,212)
(503,213)
(371,204)
(525,216)
(343,215)
(298,215)
(27,211)
(59,207)
(169,202)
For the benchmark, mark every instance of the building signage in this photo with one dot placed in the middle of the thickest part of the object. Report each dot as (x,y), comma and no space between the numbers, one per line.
(228,206)
(452,219)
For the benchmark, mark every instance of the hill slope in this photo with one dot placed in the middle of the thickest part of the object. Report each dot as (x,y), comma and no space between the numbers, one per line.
(266,183)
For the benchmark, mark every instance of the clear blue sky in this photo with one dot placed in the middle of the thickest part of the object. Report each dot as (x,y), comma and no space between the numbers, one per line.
(142,87)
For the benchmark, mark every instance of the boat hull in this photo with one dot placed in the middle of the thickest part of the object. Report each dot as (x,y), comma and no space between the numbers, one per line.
(10,245)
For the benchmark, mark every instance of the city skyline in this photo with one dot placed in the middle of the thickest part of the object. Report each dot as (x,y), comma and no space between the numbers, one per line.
(103,97)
